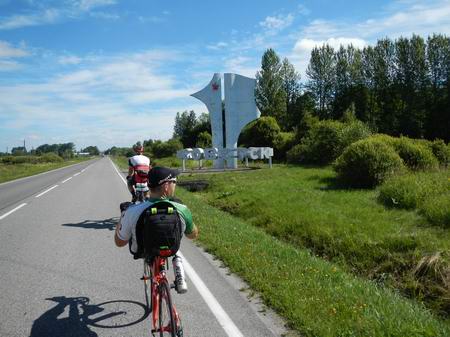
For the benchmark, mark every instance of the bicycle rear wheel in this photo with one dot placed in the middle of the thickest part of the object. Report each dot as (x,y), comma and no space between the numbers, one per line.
(166,323)
(147,286)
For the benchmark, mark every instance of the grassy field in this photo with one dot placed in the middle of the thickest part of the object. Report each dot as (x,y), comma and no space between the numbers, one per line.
(10,172)
(310,249)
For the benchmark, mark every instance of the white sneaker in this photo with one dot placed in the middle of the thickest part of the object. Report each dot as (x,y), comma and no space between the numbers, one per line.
(180,284)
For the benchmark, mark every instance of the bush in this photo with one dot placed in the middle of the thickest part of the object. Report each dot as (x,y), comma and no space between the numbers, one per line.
(411,190)
(352,132)
(51,158)
(326,140)
(441,151)
(284,142)
(437,210)
(263,132)
(46,158)
(320,144)
(367,163)
(415,156)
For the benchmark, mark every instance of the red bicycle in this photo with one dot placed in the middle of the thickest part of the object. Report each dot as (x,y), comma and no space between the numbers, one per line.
(165,318)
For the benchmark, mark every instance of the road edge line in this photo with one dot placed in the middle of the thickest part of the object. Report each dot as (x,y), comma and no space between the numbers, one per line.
(222,317)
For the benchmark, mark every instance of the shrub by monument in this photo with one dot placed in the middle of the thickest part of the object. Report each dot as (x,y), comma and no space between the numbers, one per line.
(166,149)
(284,142)
(261,132)
(367,163)
(326,140)
(204,140)
(416,156)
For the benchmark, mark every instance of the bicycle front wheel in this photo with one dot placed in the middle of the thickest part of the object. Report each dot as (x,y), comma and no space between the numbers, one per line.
(166,323)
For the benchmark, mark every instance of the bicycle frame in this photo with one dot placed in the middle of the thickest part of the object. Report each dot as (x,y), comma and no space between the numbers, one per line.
(158,269)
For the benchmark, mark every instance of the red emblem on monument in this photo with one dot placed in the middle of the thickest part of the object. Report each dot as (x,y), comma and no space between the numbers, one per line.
(215,86)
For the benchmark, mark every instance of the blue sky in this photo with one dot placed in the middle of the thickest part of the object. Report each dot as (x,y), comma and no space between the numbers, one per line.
(111,72)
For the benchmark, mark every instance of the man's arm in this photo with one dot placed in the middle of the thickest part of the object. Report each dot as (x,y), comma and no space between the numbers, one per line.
(194,234)
(119,242)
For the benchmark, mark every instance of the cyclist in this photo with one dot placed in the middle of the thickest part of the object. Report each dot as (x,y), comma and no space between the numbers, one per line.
(138,168)
(162,181)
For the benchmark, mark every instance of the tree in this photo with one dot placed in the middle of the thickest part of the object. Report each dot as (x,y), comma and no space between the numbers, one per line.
(92,150)
(291,86)
(18,151)
(438,61)
(184,128)
(411,81)
(269,92)
(321,73)
(188,127)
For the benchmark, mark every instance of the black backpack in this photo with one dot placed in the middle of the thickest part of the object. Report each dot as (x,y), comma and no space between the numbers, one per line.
(158,231)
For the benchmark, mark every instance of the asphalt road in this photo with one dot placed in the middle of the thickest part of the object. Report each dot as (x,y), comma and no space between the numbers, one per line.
(61,275)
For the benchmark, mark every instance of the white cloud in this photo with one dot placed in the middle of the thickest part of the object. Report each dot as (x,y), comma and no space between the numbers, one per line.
(70,59)
(6,65)
(241,65)
(104,15)
(218,46)
(306,45)
(112,91)
(69,10)
(19,21)
(6,50)
(277,23)
(87,5)
(402,18)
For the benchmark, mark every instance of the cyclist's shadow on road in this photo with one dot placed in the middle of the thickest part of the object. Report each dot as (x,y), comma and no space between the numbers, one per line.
(109,224)
(72,316)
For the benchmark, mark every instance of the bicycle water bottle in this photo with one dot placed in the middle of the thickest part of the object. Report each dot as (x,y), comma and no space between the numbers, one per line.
(180,281)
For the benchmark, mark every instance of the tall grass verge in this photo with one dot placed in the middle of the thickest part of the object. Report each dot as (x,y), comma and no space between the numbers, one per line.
(15,171)
(316,297)
(307,208)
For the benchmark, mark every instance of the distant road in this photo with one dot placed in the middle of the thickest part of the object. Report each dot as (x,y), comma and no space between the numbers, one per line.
(13,191)
(61,275)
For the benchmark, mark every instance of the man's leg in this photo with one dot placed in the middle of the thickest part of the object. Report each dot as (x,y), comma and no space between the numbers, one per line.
(130,184)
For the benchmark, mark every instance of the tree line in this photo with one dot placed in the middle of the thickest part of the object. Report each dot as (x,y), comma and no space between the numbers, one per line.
(64,150)
(397,87)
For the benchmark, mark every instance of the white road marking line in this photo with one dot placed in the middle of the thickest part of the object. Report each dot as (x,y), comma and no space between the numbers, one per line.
(115,168)
(76,174)
(62,182)
(40,194)
(12,211)
(222,317)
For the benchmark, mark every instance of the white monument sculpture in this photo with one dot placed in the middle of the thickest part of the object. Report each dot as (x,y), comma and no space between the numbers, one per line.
(226,124)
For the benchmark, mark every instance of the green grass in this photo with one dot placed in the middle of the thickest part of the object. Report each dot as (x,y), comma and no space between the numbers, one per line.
(429,192)
(305,208)
(10,172)
(316,297)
